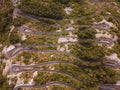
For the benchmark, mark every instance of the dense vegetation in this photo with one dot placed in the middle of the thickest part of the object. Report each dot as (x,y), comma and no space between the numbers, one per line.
(5,22)
(43,9)
(92,57)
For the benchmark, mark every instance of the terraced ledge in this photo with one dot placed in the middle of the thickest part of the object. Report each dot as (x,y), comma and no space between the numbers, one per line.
(53,71)
(25,45)
(29,31)
(31,16)
(62,36)
(45,85)
(26,29)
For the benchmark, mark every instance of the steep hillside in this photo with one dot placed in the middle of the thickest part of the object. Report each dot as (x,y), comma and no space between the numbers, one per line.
(60,45)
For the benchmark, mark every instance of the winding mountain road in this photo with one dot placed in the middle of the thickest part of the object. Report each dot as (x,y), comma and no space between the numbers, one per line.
(26,29)
(112,86)
(15,66)
(45,85)
(106,41)
(20,49)
(112,63)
